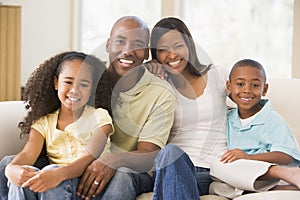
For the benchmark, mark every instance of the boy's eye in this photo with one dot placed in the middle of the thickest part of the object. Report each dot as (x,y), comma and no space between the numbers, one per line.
(256,85)
(240,84)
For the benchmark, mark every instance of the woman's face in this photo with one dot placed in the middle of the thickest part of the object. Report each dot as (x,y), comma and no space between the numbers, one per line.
(172,51)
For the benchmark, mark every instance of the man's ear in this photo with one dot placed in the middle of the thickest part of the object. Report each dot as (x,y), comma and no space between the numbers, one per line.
(55,81)
(147,53)
(265,89)
(228,87)
(107,46)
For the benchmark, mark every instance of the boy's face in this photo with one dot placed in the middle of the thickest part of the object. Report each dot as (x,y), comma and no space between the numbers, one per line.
(246,86)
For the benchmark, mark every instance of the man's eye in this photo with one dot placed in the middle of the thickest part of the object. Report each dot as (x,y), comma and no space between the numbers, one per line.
(119,42)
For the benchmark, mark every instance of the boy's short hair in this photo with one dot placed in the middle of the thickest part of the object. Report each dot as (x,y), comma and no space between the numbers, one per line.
(249,63)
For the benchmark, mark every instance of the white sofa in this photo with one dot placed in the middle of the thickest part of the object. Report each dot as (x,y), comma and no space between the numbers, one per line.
(283,93)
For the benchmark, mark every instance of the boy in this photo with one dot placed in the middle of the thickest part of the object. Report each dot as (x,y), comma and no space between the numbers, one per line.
(259,141)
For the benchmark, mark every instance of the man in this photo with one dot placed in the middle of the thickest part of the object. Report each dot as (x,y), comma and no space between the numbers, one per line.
(142,108)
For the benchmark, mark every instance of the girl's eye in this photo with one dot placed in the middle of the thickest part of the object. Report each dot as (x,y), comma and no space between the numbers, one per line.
(68,82)
(84,85)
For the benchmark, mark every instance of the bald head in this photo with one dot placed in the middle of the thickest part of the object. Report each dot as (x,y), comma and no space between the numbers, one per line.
(130,23)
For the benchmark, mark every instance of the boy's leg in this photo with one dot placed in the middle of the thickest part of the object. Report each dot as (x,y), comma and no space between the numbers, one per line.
(290,175)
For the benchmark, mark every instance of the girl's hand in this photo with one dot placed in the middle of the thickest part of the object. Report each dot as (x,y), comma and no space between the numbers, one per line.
(18,174)
(43,181)
(234,154)
(157,69)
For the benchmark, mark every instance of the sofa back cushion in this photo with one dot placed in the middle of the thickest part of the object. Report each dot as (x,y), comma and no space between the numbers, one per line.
(284,96)
(11,113)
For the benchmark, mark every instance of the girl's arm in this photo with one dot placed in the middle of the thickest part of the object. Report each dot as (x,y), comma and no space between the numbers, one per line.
(15,171)
(48,179)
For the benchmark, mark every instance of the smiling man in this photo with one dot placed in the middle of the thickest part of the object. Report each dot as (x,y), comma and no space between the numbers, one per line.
(142,107)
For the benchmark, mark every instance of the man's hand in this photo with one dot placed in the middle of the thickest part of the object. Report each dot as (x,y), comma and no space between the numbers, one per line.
(94,179)
(234,154)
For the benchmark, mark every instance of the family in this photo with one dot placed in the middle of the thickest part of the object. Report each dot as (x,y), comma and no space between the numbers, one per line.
(138,126)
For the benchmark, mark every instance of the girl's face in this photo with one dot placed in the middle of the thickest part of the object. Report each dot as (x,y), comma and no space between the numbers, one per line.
(172,51)
(246,87)
(74,85)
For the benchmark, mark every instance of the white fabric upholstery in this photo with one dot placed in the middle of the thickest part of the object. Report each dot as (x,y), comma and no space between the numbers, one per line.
(11,113)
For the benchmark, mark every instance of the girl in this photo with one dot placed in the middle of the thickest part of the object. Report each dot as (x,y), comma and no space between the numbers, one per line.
(59,96)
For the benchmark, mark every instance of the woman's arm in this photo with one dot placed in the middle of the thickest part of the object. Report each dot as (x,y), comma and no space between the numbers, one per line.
(15,171)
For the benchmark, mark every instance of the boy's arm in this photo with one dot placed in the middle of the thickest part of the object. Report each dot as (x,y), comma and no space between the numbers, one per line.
(271,157)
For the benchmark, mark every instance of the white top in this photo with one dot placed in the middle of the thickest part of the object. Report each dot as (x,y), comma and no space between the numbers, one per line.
(200,124)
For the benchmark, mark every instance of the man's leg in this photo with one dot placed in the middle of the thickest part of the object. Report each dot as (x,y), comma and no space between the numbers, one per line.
(126,184)
(174,175)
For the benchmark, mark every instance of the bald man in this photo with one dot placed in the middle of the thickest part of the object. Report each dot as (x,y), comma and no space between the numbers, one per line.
(142,107)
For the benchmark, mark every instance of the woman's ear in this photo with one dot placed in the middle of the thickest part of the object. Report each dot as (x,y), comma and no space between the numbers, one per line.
(265,89)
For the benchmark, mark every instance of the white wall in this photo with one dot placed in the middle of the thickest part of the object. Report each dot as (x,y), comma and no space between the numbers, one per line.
(46,30)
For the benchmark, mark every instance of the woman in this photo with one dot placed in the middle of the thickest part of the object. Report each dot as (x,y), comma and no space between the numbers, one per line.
(200,120)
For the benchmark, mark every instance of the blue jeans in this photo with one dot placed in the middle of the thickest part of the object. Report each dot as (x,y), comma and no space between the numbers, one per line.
(64,191)
(176,178)
(40,163)
(3,180)
(126,184)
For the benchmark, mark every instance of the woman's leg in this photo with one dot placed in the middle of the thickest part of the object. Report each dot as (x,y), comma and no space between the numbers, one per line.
(174,175)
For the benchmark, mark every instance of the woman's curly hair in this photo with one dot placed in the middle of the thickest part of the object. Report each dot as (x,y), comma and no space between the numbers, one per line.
(40,96)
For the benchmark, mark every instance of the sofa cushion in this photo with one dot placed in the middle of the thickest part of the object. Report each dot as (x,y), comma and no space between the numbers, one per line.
(11,113)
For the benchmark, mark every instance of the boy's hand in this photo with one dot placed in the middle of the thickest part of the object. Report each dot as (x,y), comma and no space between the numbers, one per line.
(234,154)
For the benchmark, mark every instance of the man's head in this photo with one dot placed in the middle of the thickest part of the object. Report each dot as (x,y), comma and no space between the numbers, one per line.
(128,44)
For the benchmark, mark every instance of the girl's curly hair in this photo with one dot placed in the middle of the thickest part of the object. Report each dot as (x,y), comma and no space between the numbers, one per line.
(40,95)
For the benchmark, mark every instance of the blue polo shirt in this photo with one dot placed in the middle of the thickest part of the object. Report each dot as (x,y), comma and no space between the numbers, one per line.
(267,132)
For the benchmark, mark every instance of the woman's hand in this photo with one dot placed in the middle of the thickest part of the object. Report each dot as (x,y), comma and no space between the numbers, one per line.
(234,154)
(44,180)
(157,69)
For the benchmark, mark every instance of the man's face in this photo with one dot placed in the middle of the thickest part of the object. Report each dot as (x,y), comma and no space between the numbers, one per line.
(128,46)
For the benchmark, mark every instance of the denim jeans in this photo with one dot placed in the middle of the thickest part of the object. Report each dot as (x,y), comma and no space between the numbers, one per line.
(3,180)
(176,178)
(64,191)
(40,163)
(126,184)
